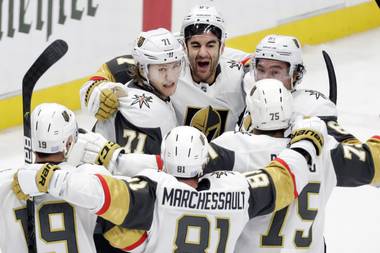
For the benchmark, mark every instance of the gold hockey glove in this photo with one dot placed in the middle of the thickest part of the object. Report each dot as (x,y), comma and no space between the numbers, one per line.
(105,154)
(312,130)
(108,104)
(44,175)
(16,188)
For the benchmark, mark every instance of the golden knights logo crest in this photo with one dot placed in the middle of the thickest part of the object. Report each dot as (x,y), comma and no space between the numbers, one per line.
(65,116)
(219,174)
(317,94)
(233,64)
(140,41)
(208,120)
(142,100)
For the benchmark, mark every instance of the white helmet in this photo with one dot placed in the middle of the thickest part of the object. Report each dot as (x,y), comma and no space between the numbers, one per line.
(157,46)
(206,15)
(53,125)
(270,105)
(184,151)
(282,48)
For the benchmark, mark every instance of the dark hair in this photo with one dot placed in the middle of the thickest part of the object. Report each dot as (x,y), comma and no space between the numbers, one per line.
(299,70)
(45,155)
(258,59)
(134,73)
(197,29)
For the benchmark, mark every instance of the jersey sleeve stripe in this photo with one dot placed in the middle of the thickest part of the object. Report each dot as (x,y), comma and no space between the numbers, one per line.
(117,200)
(283,163)
(246,60)
(90,89)
(137,243)
(97,78)
(125,239)
(159,162)
(284,183)
(374,146)
(107,196)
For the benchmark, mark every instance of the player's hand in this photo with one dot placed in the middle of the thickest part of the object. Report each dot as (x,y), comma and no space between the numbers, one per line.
(103,99)
(44,176)
(16,188)
(309,134)
(32,180)
(93,148)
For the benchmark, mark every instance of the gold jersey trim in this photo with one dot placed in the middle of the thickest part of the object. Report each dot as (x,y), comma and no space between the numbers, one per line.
(284,182)
(374,146)
(124,238)
(116,199)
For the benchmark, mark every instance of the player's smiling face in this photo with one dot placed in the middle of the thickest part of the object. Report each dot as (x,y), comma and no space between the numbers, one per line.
(164,77)
(267,68)
(203,52)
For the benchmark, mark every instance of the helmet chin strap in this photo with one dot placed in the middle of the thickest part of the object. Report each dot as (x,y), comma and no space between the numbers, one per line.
(66,151)
(291,75)
(292,84)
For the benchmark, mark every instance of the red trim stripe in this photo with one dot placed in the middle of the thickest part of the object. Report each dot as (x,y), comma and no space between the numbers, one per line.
(107,195)
(377,137)
(97,78)
(246,60)
(156,14)
(291,174)
(159,161)
(137,243)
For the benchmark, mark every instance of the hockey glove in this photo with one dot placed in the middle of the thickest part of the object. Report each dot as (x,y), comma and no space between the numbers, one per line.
(44,175)
(308,134)
(16,188)
(103,98)
(94,148)
(33,180)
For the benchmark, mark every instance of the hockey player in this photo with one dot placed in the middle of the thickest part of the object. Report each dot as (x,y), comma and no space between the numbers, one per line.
(174,207)
(210,94)
(299,227)
(144,111)
(132,114)
(280,57)
(59,226)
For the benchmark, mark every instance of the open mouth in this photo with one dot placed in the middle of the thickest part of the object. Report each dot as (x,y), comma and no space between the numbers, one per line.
(203,65)
(169,85)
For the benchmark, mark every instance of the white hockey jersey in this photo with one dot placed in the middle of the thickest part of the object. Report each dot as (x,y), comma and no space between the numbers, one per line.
(214,108)
(247,151)
(235,54)
(141,121)
(187,220)
(313,103)
(181,218)
(59,226)
(305,102)
(298,227)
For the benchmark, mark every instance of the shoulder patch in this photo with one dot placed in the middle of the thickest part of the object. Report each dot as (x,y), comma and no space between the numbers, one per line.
(233,64)
(315,93)
(142,100)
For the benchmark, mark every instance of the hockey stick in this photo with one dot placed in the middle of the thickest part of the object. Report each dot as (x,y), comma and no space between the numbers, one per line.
(332,77)
(49,56)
